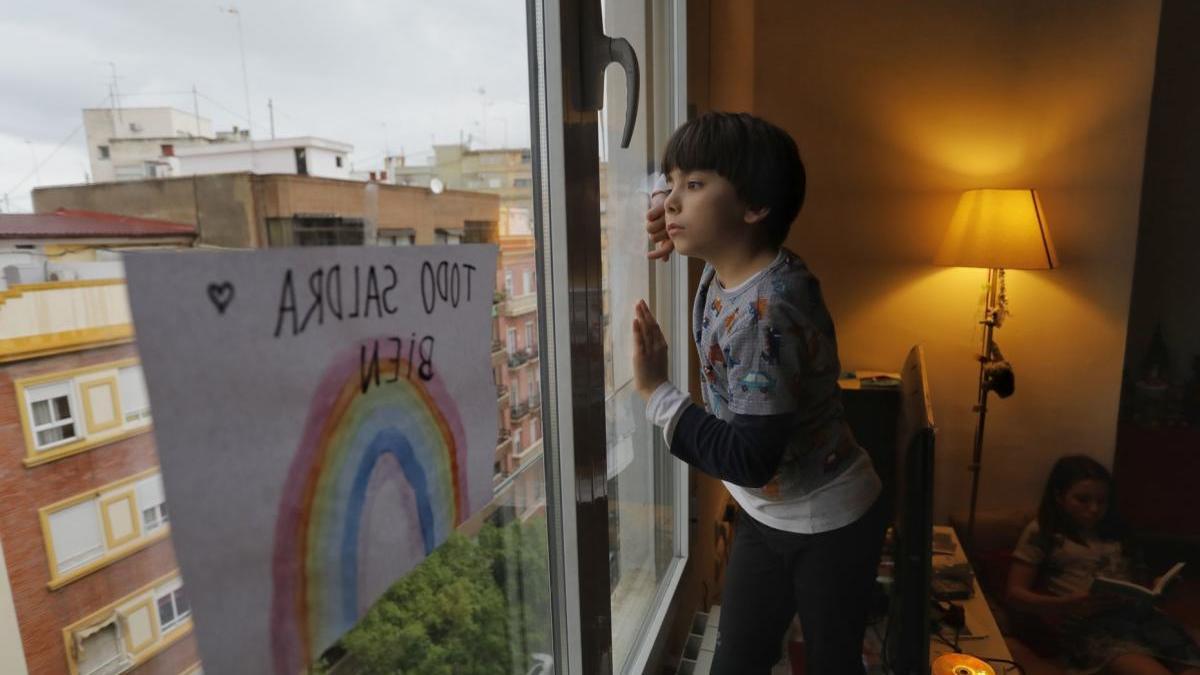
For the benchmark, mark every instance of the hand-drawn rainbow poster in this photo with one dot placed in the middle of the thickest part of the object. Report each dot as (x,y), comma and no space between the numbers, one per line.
(325,418)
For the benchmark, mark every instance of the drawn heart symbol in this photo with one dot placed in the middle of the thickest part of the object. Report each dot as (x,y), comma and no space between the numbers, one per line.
(221,295)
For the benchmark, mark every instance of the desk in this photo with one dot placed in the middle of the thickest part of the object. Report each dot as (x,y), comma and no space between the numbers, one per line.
(980,621)
(986,640)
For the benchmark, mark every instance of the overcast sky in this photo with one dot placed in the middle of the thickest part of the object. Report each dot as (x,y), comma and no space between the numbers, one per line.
(373,73)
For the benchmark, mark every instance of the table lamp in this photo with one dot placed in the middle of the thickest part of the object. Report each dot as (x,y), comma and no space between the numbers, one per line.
(995,230)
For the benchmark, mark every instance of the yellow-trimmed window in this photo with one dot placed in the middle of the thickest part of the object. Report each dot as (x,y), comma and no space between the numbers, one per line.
(94,529)
(51,411)
(73,411)
(131,630)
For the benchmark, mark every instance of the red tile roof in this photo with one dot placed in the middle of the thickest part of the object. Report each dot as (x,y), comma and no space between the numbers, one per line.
(73,224)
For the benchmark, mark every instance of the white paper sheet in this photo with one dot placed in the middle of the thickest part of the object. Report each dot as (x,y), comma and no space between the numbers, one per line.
(324,417)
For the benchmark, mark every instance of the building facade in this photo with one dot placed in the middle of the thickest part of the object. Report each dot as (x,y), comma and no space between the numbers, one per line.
(303,156)
(137,143)
(92,580)
(245,210)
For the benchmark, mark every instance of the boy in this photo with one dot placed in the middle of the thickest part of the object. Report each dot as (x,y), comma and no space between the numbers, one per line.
(809,537)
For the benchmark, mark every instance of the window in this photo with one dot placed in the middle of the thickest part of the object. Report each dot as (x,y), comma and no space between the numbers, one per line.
(403,237)
(50,411)
(315,230)
(338,161)
(172,604)
(517,441)
(132,386)
(301,161)
(151,503)
(508,283)
(76,535)
(527,281)
(512,341)
(522,182)
(445,236)
(100,651)
(168,150)
(495,183)
(103,149)
(529,336)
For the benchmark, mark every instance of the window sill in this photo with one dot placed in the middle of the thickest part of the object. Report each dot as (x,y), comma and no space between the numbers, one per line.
(175,634)
(57,582)
(84,445)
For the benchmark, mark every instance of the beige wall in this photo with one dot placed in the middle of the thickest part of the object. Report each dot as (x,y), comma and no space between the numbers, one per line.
(220,206)
(230,210)
(12,654)
(897,108)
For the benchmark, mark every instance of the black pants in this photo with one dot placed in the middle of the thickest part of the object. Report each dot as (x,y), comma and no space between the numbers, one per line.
(827,578)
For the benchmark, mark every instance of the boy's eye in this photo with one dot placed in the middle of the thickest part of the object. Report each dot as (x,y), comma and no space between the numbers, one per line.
(693,184)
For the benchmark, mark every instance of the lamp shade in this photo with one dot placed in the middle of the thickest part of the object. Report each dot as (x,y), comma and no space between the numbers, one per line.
(998,229)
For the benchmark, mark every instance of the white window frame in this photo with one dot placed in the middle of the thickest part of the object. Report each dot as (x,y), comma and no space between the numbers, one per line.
(511,340)
(508,283)
(121,657)
(64,566)
(529,340)
(552,36)
(173,590)
(131,384)
(47,393)
(527,281)
(151,503)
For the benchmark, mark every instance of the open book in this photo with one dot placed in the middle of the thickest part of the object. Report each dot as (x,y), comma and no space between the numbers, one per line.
(1136,591)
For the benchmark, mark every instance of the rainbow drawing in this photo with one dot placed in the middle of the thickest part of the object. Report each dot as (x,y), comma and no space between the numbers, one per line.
(401,437)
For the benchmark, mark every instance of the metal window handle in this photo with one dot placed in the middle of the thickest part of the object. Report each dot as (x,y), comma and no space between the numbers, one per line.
(597,51)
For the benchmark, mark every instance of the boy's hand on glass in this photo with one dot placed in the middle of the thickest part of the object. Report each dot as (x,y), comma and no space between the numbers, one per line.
(656,227)
(649,351)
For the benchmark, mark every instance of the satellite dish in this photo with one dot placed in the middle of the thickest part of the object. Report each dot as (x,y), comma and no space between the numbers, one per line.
(436,186)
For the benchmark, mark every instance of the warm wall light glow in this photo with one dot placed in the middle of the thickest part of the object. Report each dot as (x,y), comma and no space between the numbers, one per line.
(998,229)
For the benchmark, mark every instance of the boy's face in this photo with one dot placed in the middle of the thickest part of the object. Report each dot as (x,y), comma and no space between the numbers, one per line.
(705,216)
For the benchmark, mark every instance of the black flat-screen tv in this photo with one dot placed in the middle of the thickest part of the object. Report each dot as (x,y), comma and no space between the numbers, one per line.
(908,627)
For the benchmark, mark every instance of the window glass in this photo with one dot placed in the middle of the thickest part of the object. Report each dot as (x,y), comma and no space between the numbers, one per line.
(276,125)
(76,535)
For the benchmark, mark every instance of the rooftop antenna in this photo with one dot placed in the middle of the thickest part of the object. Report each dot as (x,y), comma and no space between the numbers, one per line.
(196,109)
(245,79)
(114,95)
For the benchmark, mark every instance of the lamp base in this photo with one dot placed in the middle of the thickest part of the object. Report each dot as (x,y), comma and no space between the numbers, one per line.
(960,664)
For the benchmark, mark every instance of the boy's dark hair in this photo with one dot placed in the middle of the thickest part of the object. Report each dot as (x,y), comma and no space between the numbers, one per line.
(1052,522)
(760,159)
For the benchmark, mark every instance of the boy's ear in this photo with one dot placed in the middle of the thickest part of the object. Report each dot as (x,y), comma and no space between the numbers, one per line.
(753,215)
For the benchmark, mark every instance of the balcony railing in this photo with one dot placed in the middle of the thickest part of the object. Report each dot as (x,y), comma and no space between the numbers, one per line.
(501,392)
(521,357)
(521,304)
(519,411)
